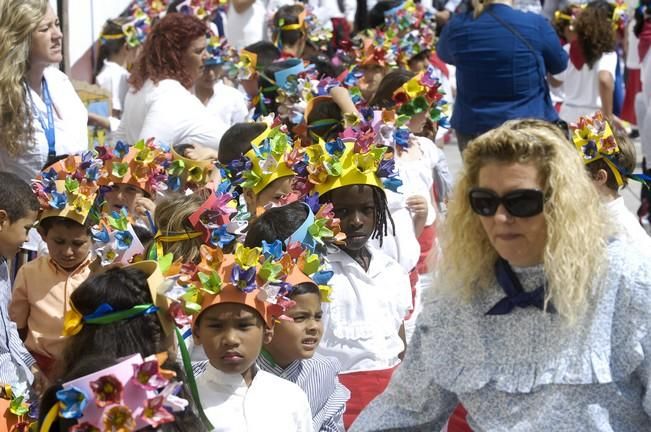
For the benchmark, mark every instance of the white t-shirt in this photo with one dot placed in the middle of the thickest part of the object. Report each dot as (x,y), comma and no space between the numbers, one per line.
(228,104)
(365,312)
(403,247)
(113,78)
(325,10)
(269,404)
(628,225)
(70,127)
(168,112)
(245,28)
(581,86)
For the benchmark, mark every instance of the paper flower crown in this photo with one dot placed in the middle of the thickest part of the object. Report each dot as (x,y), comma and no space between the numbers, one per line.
(222,54)
(137,29)
(114,239)
(186,173)
(353,160)
(421,93)
(273,156)
(131,395)
(594,139)
(142,165)
(68,188)
(260,278)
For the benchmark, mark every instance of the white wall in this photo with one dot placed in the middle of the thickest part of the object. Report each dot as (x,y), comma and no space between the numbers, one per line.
(83,21)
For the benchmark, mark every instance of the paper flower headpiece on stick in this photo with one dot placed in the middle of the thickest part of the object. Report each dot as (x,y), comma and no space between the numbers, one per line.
(68,188)
(131,395)
(142,165)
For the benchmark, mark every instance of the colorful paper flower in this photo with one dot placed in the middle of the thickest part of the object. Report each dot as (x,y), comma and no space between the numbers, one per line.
(247,257)
(272,250)
(118,418)
(148,375)
(243,279)
(154,413)
(107,390)
(220,237)
(72,402)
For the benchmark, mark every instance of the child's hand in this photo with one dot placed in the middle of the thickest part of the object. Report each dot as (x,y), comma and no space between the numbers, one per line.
(143,205)
(199,152)
(417,206)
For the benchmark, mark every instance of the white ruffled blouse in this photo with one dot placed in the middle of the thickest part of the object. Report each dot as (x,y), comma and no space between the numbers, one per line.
(528,370)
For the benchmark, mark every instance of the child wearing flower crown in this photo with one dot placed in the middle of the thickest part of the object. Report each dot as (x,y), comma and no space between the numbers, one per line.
(18,212)
(291,354)
(371,293)
(240,303)
(610,159)
(42,288)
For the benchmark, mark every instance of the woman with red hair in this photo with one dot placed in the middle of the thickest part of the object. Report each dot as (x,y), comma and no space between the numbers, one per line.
(160,102)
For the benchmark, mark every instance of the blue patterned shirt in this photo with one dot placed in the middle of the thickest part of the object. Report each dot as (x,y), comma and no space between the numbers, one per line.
(15,360)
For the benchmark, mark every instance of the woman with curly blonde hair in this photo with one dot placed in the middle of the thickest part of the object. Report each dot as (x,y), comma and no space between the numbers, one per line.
(539,319)
(41,115)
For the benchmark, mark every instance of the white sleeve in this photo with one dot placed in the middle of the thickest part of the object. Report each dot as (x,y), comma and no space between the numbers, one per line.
(452,5)
(608,63)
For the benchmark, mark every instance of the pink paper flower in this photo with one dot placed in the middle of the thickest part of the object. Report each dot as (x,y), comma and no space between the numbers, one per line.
(107,390)
(155,413)
(148,375)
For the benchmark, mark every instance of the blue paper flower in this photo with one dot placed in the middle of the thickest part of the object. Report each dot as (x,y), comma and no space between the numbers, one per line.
(401,137)
(335,147)
(220,237)
(387,168)
(392,184)
(58,200)
(123,240)
(121,149)
(312,200)
(72,402)
(174,183)
(244,280)
(272,250)
(322,277)
(100,236)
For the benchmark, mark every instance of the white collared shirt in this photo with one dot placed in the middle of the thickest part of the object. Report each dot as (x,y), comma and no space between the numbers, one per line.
(366,311)
(70,127)
(228,104)
(113,78)
(269,404)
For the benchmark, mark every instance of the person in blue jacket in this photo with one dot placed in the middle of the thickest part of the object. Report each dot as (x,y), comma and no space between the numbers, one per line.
(502,56)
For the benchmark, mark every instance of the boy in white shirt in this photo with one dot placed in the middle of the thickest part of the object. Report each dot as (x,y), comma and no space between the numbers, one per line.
(232,326)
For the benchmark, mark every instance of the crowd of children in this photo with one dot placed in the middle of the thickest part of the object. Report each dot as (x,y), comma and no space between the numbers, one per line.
(271,280)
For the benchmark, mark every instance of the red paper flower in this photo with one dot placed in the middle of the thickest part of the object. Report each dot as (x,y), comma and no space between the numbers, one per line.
(107,390)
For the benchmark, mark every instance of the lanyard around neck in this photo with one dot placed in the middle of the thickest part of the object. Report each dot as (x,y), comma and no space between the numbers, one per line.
(46,123)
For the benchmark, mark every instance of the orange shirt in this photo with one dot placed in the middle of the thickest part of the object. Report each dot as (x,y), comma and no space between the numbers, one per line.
(40,300)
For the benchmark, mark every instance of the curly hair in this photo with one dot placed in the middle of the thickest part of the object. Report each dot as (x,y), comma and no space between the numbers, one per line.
(594,31)
(18,20)
(164,49)
(576,228)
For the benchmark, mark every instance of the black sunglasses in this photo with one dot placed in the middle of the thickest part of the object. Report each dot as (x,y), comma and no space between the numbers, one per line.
(519,203)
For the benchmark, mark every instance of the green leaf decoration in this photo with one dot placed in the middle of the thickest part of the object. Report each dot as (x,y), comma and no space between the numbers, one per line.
(311,264)
(71,185)
(210,283)
(120,169)
(269,271)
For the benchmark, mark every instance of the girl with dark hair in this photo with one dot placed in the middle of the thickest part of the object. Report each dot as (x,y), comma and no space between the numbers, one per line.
(589,80)
(160,102)
(290,33)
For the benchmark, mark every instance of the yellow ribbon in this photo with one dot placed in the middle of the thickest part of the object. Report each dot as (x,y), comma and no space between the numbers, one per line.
(72,321)
(50,418)
(160,239)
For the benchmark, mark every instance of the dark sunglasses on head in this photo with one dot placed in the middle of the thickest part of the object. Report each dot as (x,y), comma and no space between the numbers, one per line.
(519,203)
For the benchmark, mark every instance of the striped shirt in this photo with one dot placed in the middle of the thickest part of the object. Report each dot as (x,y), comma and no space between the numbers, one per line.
(317,377)
(15,360)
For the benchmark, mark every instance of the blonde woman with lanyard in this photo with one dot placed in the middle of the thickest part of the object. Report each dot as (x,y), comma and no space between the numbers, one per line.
(42,116)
